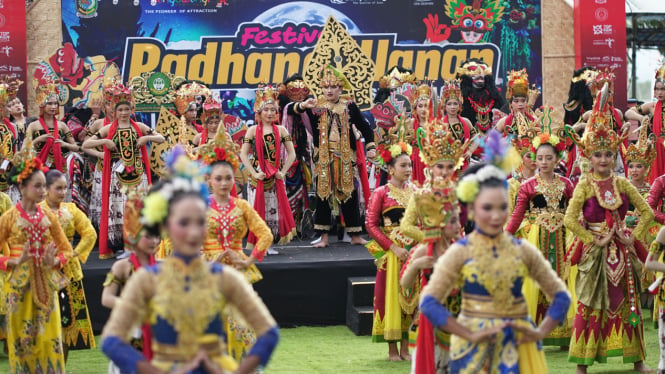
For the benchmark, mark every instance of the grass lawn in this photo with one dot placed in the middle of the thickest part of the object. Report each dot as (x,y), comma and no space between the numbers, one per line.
(335,349)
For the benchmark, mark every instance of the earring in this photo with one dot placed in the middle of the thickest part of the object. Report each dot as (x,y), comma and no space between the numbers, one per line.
(392,173)
(470,215)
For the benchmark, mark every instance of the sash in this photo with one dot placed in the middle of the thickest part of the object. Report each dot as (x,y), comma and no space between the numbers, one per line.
(51,144)
(146,334)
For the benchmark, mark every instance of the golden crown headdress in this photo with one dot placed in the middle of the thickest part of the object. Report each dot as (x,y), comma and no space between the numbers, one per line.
(46,90)
(437,143)
(265,94)
(221,148)
(8,89)
(422,91)
(526,131)
(211,108)
(131,220)
(436,205)
(642,151)
(660,72)
(395,78)
(600,78)
(120,94)
(518,84)
(474,67)
(598,133)
(187,93)
(451,90)
(332,77)
(25,162)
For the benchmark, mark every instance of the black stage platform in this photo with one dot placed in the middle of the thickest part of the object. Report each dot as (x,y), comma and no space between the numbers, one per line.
(301,285)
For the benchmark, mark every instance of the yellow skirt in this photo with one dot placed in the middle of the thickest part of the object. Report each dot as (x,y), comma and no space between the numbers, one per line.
(33,334)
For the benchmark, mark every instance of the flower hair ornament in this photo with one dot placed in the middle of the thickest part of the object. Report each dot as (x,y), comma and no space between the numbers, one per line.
(185,175)
(500,157)
(221,148)
(25,163)
(387,154)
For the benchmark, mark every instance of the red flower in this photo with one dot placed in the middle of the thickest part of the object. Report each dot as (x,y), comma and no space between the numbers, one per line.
(516,16)
(220,153)
(561,147)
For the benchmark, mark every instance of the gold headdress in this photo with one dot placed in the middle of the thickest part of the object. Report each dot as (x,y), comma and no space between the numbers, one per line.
(211,108)
(8,89)
(131,221)
(187,93)
(25,162)
(45,91)
(332,77)
(436,205)
(422,91)
(120,94)
(265,94)
(451,90)
(598,133)
(437,143)
(221,148)
(526,131)
(474,67)
(518,84)
(338,50)
(396,78)
(599,79)
(294,88)
(643,150)
(660,73)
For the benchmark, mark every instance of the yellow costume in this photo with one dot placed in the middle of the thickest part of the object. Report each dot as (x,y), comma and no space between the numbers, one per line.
(33,318)
(76,326)
(5,205)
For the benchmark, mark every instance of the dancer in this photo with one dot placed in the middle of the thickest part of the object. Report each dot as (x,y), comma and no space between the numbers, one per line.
(539,211)
(186,296)
(527,168)
(655,110)
(8,133)
(141,245)
(422,109)
(493,331)
(189,98)
(76,327)
(517,94)
(391,249)
(125,164)
(38,249)
(608,320)
(337,186)
(481,98)
(460,127)
(267,191)
(211,118)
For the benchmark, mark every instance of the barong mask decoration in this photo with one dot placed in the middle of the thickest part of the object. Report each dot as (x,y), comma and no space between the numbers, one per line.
(188,93)
(337,52)
(472,18)
(294,88)
(8,90)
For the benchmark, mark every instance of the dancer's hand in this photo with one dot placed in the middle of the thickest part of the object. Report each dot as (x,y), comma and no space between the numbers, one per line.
(371,154)
(109,144)
(400,252)
(260,175)
(308,104)
(141,141)
(530,334)
(602,241)
(51,256)
(25,256)
(41,138)
(192,364)
(425,262)
(625,238)
(488,334)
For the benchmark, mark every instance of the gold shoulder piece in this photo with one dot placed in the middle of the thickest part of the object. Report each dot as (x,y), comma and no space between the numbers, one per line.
(337,48)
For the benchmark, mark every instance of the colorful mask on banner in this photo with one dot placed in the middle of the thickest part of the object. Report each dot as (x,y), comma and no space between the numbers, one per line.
(473,20)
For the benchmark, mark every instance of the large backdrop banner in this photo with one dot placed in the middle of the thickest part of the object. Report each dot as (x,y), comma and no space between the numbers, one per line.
(234,45)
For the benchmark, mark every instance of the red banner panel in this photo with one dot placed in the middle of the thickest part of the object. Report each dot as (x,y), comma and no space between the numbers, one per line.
(600,40)
(13,49)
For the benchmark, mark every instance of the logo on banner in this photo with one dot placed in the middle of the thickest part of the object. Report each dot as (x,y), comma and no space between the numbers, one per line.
(601,14)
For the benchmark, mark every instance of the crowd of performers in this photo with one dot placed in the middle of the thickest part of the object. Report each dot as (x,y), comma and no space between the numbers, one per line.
(496,228)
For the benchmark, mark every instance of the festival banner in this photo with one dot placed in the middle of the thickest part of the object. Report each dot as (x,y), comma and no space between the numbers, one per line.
(600,41)
(234,45)
(13,47)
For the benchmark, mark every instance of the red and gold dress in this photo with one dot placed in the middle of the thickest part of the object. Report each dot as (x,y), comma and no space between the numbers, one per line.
(384,213)
(608,320)
(34,334)
(538,215)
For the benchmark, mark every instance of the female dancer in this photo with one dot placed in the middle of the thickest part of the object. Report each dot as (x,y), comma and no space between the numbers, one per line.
(267,192)
(9,134)
(517,94)
(491,265)
(38,249)
(185,297)
(421,106)
(460,127)
(608,320)
(391,249)
(125,164)
(76,327)
(541,204)
(211,118)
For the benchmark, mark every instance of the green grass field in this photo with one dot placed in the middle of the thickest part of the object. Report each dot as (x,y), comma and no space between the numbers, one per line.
(336,350)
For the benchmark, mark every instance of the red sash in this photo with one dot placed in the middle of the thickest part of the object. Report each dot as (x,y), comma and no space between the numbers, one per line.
(106,185)
(286,223)
(658,168)
(425,341)
(51,144)
(11,127)
(145,328)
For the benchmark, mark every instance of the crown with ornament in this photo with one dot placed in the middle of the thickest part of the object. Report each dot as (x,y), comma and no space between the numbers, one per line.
(294,88)
(211,108)
(46,90)
(660,72)
(188,93)
(422,91)
(330,76)
(474,67)
(518,84)
(451,90)
(436,205)
(396,77)
(526,131)
(8,89)
(551,131)
(25,162)
(221,148)
(265,94)
(437,143)
(120,94)
(642,151)
(598,133)
(600,78)
(131,220)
